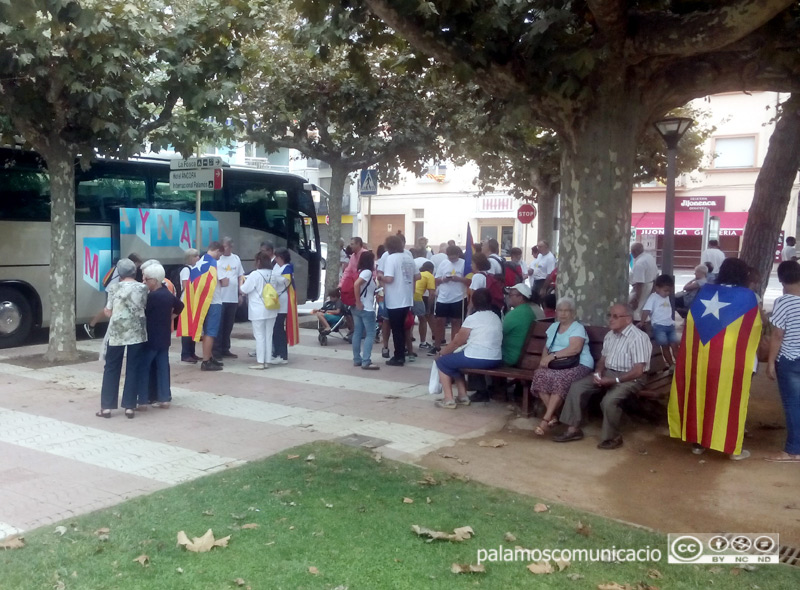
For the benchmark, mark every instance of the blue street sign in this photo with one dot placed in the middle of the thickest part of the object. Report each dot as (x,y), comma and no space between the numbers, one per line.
(368,184)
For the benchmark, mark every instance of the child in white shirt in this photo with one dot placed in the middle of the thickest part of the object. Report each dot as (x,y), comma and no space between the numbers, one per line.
(658,309)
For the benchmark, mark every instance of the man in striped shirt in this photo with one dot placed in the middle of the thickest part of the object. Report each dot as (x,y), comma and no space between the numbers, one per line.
(619,373)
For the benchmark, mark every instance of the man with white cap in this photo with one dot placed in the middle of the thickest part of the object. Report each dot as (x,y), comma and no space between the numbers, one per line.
(516,324)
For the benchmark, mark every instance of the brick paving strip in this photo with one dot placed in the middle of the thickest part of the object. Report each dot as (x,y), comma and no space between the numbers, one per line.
(51,468)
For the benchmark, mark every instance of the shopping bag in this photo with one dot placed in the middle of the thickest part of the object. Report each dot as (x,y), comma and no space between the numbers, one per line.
(434,385)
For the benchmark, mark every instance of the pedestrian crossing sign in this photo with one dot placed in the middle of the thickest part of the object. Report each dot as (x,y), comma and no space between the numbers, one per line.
(368,184)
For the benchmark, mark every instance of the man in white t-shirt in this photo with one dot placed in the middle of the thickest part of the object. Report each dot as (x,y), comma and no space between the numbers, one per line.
(541,267)
(643,273)
(713,255)
(789,251)
(451,292)
(439,257)
(229,275)
(399,275)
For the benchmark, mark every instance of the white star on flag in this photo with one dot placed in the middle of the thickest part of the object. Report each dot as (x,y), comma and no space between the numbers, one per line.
(713,306)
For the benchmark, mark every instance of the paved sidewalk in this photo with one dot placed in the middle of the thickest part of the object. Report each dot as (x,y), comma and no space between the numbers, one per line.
(58,460)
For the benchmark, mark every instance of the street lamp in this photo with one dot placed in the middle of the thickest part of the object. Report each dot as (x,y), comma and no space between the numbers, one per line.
(671,130)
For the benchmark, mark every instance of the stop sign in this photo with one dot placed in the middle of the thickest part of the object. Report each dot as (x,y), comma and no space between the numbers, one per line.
(526,213)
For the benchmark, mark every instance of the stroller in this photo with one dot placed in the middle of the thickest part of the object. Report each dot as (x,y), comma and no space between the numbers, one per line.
(335,328)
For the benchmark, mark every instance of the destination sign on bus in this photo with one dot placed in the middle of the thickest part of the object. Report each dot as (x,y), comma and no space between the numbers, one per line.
(199,179)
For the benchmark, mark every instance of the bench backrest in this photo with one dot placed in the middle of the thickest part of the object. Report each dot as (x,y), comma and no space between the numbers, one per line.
(537,340)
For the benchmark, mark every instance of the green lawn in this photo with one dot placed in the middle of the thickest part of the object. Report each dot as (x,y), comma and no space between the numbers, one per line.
(342,513)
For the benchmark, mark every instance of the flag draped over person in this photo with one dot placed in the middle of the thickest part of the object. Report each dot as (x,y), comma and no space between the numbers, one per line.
(202,283)
(468,253)
(711,386)
(292,326)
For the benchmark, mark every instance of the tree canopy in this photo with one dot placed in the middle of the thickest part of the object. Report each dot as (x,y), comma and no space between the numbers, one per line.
(351,105)
(598,73)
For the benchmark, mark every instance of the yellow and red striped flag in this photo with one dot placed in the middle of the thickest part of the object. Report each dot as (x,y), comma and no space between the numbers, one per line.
(711,386)
(202,283)
(292,325)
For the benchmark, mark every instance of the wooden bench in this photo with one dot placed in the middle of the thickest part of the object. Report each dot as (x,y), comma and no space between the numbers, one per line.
(657,383)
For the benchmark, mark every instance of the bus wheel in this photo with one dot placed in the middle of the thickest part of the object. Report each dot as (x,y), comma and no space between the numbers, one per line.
(16,318)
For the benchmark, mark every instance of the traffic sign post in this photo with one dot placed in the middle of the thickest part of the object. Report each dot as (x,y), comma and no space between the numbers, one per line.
(526,213)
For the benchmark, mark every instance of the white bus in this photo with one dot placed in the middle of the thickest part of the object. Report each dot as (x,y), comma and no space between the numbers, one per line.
(127,206)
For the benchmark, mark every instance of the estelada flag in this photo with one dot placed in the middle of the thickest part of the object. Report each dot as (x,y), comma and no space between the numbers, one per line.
(711,386)
(202,284)
(292,327)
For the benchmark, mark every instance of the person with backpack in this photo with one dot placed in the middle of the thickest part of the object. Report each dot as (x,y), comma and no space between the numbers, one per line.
(484,279)
(514,274)
(261,318)
(491,249)
(364,313)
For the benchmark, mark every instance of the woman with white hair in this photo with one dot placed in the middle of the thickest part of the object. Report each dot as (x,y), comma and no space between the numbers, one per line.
(567,344)
(160,311)
(126,333)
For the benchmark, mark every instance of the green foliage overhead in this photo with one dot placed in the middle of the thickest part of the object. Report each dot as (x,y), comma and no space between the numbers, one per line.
(320,87)
(100,75)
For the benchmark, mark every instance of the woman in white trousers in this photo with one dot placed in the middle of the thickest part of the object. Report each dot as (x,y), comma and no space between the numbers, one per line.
(261,318)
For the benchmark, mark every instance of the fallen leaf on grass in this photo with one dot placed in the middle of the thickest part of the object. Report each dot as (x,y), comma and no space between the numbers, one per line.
(613,586)
(562,564)
(12,543)
(144,560)
(313,570)
(460,534)
(103,531)
(208,513)
(311,457)
(574,577)
(239,582)
(428,480)
(428,500)
(715,570)
(292,456)
(655,574)
(179,570)
(540,567)
(540,508)
(202,544)
(467,568)
(583,529)
(509,537)
(494,443)
(408,501)
(250,525)
(60,530)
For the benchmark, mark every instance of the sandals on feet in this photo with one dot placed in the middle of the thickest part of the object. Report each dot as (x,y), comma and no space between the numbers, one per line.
(103,414)
(544,426)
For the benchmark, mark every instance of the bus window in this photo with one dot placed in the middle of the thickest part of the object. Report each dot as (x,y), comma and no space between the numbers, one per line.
(99,198)
(24,194)
(259,207)
(164,198)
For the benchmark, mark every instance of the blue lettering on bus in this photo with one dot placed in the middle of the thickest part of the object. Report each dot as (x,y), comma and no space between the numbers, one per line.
(96,261)
(167,227)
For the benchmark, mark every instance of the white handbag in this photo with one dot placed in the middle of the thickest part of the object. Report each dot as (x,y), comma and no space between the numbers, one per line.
(434,385)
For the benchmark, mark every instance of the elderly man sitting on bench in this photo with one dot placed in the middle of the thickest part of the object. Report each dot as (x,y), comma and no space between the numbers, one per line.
(619,373)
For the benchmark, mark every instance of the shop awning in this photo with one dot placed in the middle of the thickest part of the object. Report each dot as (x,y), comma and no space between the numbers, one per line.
(689,223)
